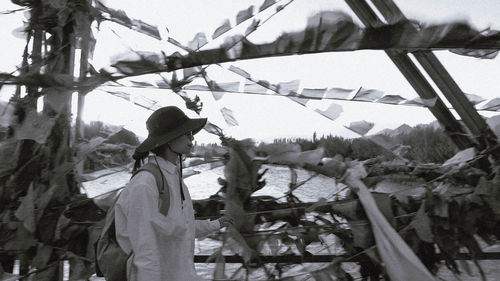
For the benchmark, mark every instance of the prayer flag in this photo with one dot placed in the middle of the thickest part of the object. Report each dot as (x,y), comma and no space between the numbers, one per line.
(229,117)
(332,112)
(368,95)
(288,88)
(243,15)
(313,93)
(361,127)
(391,99)
(222,29)
(35,127)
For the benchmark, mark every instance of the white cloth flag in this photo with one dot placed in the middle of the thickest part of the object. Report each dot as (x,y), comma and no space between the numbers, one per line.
(400,261)
(332,112)
(229,116)
(361,127)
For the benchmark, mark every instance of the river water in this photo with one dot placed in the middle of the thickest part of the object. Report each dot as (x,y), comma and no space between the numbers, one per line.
(277,178)
(204,184)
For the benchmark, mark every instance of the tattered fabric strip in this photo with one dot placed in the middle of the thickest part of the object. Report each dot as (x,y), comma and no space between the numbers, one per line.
(345,35)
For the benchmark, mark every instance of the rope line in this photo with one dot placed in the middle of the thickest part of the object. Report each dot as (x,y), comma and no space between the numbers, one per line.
(302,97)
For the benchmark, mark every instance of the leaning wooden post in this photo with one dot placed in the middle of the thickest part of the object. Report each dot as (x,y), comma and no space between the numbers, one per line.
(416,79)
(465,109)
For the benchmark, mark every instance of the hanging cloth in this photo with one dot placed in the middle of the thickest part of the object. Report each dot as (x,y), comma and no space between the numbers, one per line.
(400,261)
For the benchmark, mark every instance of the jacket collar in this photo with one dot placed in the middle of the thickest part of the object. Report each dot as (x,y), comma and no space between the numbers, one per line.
(164,164)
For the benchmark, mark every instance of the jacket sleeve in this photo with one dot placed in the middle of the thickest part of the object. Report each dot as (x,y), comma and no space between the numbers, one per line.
(146,226)
(205,227)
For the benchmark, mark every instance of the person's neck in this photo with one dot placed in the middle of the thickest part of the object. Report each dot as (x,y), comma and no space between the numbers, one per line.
(170,156)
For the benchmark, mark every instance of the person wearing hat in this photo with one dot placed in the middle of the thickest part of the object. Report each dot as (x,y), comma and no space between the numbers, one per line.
(162,246)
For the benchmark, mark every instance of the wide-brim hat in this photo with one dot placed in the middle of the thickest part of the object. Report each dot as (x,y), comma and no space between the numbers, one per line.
(167,124)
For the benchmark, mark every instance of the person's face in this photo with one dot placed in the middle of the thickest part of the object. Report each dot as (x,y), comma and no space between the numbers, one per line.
(182,144)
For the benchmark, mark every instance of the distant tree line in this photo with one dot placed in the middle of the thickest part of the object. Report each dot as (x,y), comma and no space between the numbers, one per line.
(425,143)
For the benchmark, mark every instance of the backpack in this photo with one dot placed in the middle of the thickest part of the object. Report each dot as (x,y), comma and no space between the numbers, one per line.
(110,259)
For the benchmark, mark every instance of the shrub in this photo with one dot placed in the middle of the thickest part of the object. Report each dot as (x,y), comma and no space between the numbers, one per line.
(99,129)
(363,149)
(124,136)
(335,145)
(94,129)
(428,144)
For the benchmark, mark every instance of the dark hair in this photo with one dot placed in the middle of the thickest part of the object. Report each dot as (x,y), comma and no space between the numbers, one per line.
(159,149)
(140,156)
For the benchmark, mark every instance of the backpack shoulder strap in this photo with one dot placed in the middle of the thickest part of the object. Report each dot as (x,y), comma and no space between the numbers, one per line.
(109,221)
(161,184)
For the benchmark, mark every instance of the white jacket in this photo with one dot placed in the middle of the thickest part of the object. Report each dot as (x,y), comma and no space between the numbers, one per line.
(163,247)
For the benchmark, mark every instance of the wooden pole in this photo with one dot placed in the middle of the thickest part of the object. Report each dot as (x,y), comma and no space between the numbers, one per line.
(79,126)
(86,44)
(32,93)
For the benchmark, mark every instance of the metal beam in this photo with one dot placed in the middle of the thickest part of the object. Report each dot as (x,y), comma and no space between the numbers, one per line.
(416,79)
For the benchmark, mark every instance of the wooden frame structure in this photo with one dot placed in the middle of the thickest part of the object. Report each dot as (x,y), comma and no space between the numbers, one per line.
(476,132)
(482,134)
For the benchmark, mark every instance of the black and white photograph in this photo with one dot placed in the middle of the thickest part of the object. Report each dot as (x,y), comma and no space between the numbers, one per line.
(293,140)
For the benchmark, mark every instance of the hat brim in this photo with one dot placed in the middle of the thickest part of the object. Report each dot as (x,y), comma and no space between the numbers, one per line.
(193,125)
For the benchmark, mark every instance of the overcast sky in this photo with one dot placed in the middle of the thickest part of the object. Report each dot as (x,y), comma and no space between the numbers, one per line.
(267,117)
